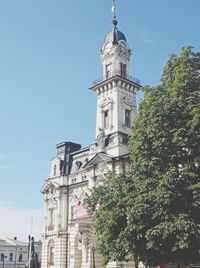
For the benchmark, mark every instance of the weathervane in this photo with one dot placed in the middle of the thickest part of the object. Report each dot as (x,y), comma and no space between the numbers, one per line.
(114,21)
(114,9)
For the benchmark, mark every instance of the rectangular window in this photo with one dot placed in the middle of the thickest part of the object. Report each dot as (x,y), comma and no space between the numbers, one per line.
(106,119)
(123,70)
(127,118)
(11,257)
(20,257)
(108,71)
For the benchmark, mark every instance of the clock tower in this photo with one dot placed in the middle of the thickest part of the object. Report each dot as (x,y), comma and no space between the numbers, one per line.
(116,94)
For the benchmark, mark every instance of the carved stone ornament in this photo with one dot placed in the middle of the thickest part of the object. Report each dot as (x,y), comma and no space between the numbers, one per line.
(51,203)
(105,101)
(83,241)
(118,139)
(79,196)
(101,168)
(128,101)
(93,147)
(100,137)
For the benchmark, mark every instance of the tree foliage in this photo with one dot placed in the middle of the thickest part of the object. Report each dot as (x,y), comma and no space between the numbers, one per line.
(107,204)
(153,214)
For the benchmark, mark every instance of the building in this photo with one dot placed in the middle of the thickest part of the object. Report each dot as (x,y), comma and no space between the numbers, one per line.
(14,253)
(69,240)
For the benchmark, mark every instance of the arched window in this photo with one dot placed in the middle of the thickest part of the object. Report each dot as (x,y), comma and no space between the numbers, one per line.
(51,253)
(54,170)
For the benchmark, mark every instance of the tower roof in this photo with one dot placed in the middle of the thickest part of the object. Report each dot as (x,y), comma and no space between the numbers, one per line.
(115,36)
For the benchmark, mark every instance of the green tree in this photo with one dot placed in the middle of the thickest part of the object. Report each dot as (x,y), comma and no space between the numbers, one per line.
(109,203)
(160,201)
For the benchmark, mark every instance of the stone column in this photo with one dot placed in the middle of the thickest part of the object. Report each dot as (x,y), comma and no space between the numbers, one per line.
(75,254)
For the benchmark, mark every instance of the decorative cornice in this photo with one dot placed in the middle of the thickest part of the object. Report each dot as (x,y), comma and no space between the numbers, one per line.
(114,81)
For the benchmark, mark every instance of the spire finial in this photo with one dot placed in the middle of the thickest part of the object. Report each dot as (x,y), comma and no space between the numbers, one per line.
(114,9)
(114,21)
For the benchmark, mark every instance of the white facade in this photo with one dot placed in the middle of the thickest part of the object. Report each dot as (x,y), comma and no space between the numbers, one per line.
(15,252)
(69,239)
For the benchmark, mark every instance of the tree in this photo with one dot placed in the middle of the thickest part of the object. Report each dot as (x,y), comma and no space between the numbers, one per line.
(108,204)
(165,150)
(159,203)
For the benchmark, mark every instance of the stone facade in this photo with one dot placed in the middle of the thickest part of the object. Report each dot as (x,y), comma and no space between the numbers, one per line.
(69,238)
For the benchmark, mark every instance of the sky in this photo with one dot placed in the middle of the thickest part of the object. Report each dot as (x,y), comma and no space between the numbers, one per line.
(49,56)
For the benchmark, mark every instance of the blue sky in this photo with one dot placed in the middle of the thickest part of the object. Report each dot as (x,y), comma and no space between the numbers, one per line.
(49,56)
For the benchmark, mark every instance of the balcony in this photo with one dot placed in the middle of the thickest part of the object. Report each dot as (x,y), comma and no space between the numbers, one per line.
(117,73)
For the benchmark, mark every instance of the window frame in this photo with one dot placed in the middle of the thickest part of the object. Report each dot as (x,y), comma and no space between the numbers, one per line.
(106,119)
(11,256)
(123,70)
(127,119)
(108,70)
(20,259)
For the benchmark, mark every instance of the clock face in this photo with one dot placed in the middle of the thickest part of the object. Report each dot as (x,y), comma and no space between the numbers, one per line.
(108,47)
(123,47)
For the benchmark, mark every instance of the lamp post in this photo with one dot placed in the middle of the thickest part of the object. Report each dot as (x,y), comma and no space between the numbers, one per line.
(3,258)
(93,257)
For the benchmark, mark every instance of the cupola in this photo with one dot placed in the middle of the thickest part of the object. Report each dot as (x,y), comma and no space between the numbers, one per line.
(115,52)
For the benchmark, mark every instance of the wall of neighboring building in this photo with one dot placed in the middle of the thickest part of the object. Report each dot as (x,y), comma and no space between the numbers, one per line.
(16,254)
(16,257)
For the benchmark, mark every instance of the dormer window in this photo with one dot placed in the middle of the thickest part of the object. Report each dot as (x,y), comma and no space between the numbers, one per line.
(106,119)
(78,164)
(123,70)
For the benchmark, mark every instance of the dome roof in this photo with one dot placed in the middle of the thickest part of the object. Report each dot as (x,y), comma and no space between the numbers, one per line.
(115,36)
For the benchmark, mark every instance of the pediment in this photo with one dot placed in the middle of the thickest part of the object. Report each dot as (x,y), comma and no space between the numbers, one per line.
(56,158)
(51,204)
(98,158)
(48,185)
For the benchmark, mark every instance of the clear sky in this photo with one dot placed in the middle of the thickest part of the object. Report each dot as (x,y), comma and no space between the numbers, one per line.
(49,56)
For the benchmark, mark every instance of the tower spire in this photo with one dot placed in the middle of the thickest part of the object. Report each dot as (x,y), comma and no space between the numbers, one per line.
(114,21)
(114,9)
